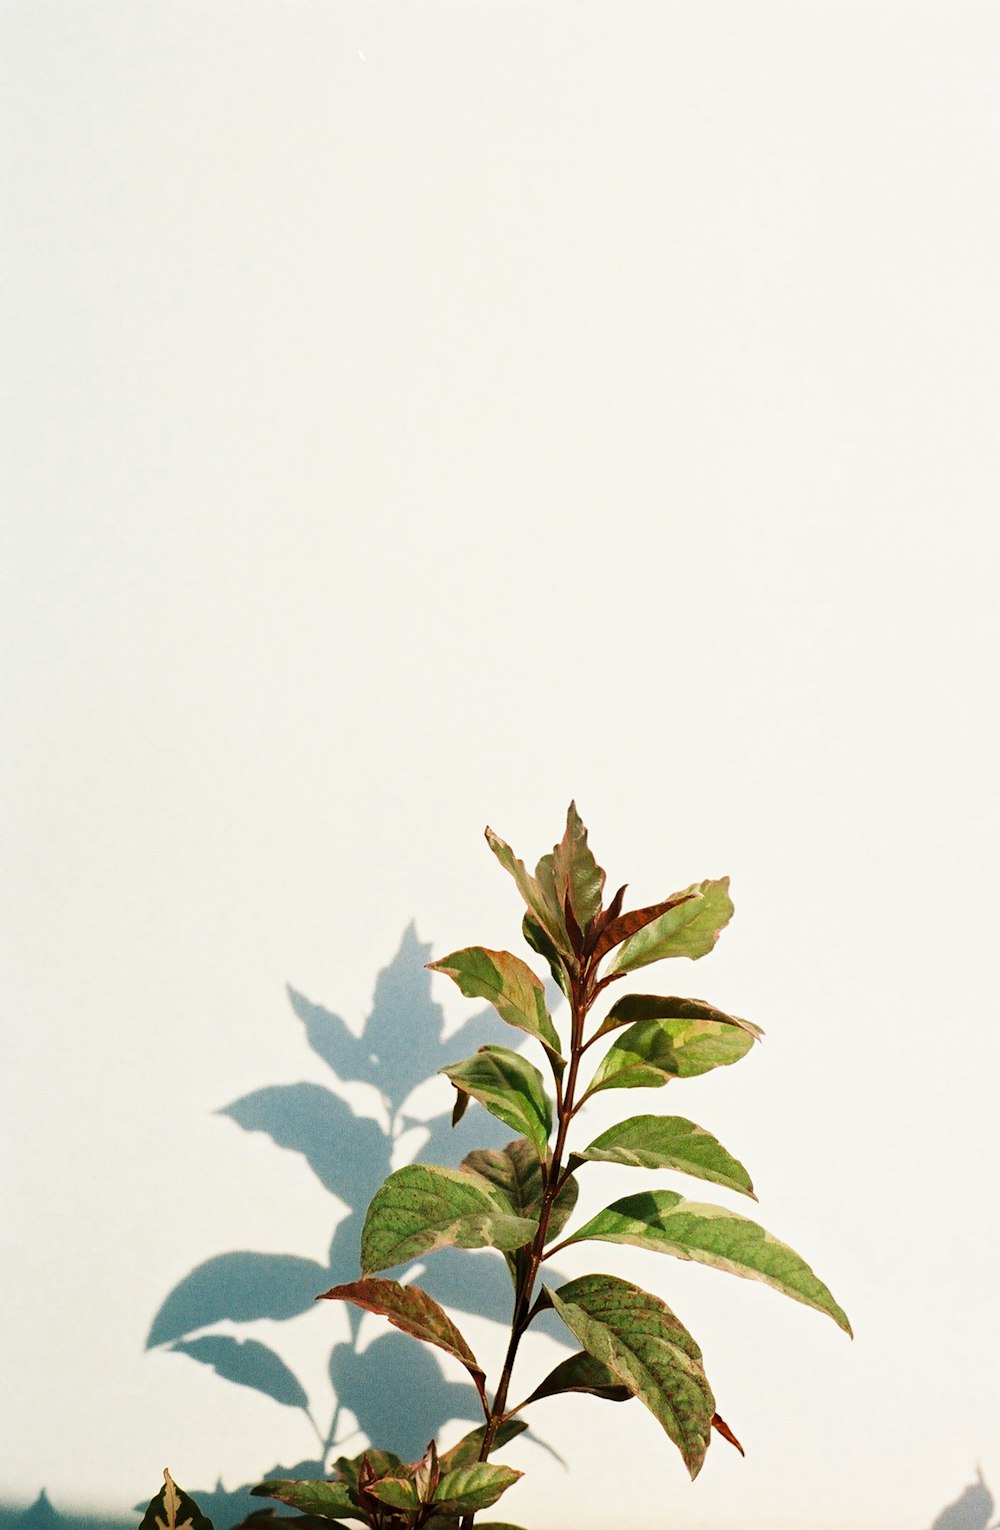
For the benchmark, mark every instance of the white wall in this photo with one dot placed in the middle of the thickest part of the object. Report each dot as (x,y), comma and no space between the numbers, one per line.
(418,415)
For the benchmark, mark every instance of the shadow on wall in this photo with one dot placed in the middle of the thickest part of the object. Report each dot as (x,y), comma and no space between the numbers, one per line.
(971,1511)
(400,1049)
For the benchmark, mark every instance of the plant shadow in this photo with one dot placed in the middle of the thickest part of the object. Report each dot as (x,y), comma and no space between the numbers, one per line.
(392,1391)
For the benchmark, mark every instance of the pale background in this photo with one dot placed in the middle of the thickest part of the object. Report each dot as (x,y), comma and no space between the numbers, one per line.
(418,414)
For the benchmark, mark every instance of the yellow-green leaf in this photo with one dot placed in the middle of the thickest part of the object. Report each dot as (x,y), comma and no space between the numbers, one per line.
(668,1142)
(688,929)
(516,1171)
(652,1052)
(646,1349)
(666,1223)
(576,875)
(547,913)
(422,1207)
(510,986)
(511,1088)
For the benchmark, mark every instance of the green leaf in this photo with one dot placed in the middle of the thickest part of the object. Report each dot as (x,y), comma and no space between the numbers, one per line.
(516,1171)
(576,874)
(539,941)
(652,1052)
(327,1498)
(398,1492)
(510,985)
(581,1373)
(417,1314)
(470,1488)
(423,1207)
(382,1463)
(173,1509)
(668,1142)
(511,1088)
(466,1452)
(548,914)
(688,929)
(663,1221)
(646,1349)
(654,1006)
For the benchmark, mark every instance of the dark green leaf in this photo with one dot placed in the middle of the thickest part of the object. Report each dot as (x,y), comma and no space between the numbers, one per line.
(648,1350)
(652,1052)
(517,1172)
(249,1363)
(173,1509)
(381,1463)
(690,928)
(539,941)
(510,985)
(665,1222)
(581,1373)
(325,1498)
(548,914)
(470,1488)
(577,877)
(668,1142)
(412,1310)
(422,1207)
(466,1452)
(511,1088)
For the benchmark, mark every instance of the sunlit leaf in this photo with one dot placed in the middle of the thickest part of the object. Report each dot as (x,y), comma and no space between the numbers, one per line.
(466,1451)
(423,1207)
(510,1087)
(653,1006)
(665,1222)
(398,1492)
(328,1498)
(517,1172)
(576,875)
(549,915)
(646,1349)
(510,985)
(688,929)
(470,1488)
(173,1509)
(668,1142)
(249,1363)
(581,1373)
(417,1314)
(652,1052)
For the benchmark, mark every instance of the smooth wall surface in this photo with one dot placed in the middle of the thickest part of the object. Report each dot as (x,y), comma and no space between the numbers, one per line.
(417,415)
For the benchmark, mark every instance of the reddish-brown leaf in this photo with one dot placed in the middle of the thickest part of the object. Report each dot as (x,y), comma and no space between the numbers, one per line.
(412,1310)
(630,924)
(727,1434)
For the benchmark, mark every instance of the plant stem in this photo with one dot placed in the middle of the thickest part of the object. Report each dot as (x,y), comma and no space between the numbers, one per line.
(582,996)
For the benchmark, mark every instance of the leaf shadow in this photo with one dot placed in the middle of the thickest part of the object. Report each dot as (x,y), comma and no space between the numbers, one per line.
(393,1390)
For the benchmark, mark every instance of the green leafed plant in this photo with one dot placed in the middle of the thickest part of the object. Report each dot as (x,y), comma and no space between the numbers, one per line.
(520,1199)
